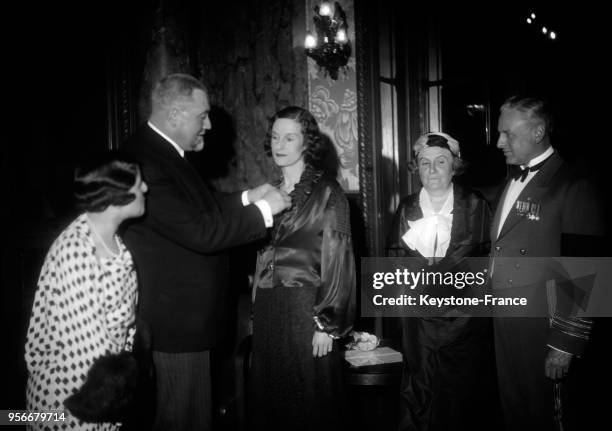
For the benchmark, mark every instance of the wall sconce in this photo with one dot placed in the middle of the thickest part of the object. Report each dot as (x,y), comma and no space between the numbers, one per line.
(330,48)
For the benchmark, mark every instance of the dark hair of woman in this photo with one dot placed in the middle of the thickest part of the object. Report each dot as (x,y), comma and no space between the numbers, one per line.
(438,141)
(104,180)
(319,150)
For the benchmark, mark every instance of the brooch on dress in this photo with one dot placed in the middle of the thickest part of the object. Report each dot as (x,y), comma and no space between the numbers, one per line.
(528,209)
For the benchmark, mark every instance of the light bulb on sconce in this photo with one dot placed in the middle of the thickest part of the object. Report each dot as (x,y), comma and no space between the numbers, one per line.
(310,41)
(325,9)
(331,28)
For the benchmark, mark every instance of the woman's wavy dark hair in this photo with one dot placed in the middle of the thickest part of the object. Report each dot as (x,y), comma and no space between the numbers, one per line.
(319,150)
(103,180)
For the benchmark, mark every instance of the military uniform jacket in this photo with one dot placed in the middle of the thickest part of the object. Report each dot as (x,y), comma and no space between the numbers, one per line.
(554,207)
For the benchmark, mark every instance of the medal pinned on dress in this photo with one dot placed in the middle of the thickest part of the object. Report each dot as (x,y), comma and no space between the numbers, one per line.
(528,209)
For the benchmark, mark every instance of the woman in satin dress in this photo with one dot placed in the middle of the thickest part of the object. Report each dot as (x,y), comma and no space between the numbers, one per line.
(445,355)
(304,297)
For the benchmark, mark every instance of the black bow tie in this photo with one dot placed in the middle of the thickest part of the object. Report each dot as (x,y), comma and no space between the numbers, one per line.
(519,173)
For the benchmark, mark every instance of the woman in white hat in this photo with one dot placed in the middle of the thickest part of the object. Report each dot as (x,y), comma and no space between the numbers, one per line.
(438,227)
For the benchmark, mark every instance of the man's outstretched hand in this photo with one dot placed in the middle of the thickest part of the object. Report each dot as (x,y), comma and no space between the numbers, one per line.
(258,192)
(278,200)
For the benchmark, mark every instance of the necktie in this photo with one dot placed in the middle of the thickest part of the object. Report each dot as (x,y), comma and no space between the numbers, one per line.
(519,173)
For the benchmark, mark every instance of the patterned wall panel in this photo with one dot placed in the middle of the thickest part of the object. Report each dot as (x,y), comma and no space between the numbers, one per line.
(334,102)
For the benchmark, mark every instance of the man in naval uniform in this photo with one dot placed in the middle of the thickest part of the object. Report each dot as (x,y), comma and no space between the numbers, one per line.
(544,211)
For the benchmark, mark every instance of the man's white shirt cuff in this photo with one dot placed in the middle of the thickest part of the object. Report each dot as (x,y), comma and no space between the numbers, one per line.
(245,198)
(263,206)
(266,212)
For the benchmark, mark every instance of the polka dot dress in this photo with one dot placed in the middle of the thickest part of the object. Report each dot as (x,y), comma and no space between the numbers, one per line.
(84,308)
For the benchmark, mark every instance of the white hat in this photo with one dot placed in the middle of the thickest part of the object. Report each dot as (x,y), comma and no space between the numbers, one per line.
(422,142)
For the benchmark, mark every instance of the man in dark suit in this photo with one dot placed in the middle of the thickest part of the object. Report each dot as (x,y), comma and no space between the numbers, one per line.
(545,211)
(178,249)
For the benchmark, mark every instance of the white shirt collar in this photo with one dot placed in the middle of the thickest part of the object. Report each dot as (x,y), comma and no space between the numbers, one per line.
(546,154)
(163,135)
